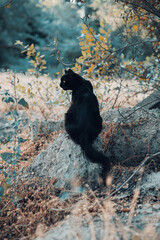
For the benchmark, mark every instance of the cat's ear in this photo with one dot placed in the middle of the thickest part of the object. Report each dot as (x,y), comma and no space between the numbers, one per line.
(70,71)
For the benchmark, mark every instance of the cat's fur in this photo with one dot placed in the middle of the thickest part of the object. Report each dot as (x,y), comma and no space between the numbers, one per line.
(83,121)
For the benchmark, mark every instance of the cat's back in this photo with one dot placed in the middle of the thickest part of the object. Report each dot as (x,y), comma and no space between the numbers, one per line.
(84,92)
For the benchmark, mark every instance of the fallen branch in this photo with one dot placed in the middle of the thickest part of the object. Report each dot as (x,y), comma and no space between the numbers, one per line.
(136,109)
(137,169)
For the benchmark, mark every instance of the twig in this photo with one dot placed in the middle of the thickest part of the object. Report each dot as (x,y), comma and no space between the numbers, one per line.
(117,94)
(136,109)
(62,209)
(149,8)
(126,181)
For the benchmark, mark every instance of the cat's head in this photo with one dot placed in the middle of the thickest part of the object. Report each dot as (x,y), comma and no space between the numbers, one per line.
(68,80)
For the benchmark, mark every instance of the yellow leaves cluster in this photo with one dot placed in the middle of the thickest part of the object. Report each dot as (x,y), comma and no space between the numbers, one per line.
(94,48)
(37,61)
(30,51)
(135,27)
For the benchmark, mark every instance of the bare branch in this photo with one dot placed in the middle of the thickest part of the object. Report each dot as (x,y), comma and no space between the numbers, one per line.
(144,5)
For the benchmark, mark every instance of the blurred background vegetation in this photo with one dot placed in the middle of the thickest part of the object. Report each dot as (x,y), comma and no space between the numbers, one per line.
(54,27)
(38,22)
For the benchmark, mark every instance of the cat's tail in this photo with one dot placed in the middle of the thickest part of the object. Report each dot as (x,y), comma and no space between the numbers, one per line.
(96,157)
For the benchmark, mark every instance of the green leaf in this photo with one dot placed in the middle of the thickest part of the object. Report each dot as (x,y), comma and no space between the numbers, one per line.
(21,140)
(23,102)
(7,157)
(8,100)
(1,191)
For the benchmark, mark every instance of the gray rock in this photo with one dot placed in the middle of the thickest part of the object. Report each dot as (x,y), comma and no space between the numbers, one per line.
(151,102)
(77,228)
(45,127)
(64,161)
(134,134)
(97,228)
(151,181)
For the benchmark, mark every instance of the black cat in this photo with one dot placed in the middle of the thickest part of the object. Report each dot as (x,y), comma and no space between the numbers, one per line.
(83,121)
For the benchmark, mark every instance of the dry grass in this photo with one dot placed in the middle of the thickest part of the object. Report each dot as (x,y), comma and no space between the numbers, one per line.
(39,209)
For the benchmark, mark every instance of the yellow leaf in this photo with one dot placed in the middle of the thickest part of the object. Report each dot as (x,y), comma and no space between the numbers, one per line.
(29,90)
(56,102)
(88,36)
(84,48)
(37,55)
(91,44)
(31,61)
(8,6)
(87,51)
(23,51)
(42,67)
(38,61)
(109,30)
(81,43)
(84,31)
(80,59)
(19,43)
(102,31)
(23,89)
(43,61)
(84,26)
(31,46)
(135,28)
(101,38)
(91,29)
(136,18)
(90,40)
(31,70)
(84,53)
(102,23)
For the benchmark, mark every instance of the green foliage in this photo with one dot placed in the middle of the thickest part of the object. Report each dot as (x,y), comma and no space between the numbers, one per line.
(10,158)
(23,102)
